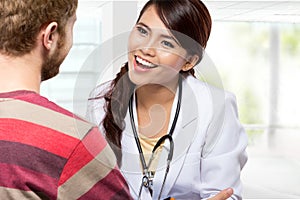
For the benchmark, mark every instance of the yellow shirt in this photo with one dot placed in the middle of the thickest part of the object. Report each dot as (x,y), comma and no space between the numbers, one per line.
(147,145)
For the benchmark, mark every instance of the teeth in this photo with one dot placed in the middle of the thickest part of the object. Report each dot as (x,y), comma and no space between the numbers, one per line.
(144,62)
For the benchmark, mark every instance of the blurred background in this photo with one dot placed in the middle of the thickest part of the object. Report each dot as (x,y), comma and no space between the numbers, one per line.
(254,48)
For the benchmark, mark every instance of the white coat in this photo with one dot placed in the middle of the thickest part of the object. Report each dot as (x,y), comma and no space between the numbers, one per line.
(209,145)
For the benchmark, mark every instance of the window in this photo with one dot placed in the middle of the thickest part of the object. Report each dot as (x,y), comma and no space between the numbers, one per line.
(259,63)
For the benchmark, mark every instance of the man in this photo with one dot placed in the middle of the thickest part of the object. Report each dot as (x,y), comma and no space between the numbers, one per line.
(45,151)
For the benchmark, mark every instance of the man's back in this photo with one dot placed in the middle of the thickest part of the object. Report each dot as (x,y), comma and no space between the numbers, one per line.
(47,153)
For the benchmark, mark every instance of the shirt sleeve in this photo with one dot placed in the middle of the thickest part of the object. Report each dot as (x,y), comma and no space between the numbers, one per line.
(223,161)
(91,172)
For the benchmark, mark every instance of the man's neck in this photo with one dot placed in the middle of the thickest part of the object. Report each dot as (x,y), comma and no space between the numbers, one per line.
(19,73)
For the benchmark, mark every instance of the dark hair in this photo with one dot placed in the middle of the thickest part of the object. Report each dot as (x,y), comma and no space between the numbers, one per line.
(188,20)
(188,17)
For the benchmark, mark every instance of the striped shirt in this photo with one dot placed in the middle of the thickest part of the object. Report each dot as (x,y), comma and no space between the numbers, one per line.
(48,153)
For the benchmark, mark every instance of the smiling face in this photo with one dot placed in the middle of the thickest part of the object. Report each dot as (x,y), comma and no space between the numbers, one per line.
(155,56)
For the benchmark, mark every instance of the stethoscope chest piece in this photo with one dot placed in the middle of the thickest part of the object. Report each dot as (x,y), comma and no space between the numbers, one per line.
(148,179)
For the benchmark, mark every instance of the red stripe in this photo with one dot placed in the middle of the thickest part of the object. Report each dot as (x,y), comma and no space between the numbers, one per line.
(35,98)
(16,177)
(94,142)
(89,148)
(113,186)
(39,136)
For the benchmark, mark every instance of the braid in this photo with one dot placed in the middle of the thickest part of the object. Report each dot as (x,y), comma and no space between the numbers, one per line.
(117,99)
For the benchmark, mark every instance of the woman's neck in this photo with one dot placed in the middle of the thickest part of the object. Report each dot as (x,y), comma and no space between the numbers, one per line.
(154,105)
(151,94)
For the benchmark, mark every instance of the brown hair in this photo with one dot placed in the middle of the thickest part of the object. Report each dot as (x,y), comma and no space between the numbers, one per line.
(21,21)
(188,17)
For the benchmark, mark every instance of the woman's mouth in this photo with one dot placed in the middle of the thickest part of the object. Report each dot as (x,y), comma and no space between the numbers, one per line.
(144,64)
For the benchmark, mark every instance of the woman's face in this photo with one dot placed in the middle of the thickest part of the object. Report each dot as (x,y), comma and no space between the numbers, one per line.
(155,56)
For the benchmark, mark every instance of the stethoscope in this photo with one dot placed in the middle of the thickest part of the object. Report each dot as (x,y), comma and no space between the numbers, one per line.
(147,180)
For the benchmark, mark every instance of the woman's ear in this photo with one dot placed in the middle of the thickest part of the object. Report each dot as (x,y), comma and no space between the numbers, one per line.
(49,35)
(191,62)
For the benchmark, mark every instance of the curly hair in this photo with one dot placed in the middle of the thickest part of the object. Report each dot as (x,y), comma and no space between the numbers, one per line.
(21,21)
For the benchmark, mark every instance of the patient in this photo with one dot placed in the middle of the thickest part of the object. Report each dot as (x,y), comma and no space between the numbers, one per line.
(46,152)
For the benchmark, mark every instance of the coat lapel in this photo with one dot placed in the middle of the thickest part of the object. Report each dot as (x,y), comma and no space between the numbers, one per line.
(131,166)
(185,131)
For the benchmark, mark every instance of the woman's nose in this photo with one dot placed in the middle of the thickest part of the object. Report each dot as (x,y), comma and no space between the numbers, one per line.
(148,50)
(149,46)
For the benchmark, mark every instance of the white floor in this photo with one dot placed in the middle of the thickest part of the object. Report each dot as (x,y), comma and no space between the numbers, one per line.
(273,167)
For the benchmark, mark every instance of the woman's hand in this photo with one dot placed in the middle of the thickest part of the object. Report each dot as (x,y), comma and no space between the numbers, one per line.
(223,195)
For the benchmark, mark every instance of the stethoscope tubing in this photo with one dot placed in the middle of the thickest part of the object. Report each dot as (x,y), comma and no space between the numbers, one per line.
(145,181)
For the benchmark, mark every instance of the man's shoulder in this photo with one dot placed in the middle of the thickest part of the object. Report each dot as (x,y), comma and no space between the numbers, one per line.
(36,109)
(75,125)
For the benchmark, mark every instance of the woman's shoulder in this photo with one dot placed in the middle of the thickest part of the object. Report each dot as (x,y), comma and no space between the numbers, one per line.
(203,88)
(96,103)
(100,90)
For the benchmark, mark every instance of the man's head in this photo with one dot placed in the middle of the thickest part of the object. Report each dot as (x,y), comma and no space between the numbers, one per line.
(24,24)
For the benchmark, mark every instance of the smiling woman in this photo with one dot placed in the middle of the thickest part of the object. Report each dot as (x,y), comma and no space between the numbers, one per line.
(160,119)
(155,56)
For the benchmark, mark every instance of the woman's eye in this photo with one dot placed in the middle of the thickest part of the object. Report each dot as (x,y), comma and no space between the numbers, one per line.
(142,30)
(168,44)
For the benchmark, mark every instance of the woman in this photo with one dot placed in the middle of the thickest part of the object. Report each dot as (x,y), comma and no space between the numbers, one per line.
(155,95)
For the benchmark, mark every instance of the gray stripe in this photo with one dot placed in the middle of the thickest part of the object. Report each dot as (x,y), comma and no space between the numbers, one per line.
(88,176)
(21,110)
(8,193)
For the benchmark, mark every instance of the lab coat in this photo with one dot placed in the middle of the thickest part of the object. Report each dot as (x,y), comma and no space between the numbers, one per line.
(209,145)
